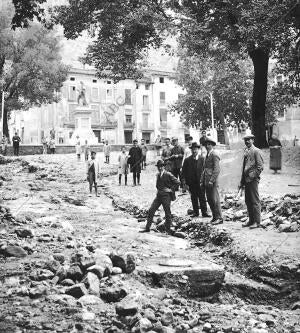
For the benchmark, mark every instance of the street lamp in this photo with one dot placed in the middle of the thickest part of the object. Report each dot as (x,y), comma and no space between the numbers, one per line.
(212,110)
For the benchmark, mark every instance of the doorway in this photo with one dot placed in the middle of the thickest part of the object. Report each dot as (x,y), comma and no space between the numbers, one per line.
(128,137)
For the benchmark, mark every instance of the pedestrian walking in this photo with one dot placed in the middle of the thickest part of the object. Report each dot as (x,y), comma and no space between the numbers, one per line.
(4,145)
(192,170)
(93,173)
(275,153)
(210,181)
(144,152)
(16,143)
(177,153)
(135,160)
(52,146)
(78,150)
(166,154)
(45,145)
(123,166)
(253,165)
(166,185)
(86,150)
(106,150)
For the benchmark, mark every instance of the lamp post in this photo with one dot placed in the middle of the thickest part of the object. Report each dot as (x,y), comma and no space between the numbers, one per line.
(212,110)
(2,112)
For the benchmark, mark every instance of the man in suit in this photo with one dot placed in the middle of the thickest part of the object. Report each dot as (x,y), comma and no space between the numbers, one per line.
(93,172)
(191,172)
(210,181)
(135,160)
(166,184)
(166,154)
(253,165)
(177,153)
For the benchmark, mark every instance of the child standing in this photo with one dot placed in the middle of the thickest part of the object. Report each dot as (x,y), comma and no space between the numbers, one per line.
(123,167)
(86,150)
(93,172)
(106,150)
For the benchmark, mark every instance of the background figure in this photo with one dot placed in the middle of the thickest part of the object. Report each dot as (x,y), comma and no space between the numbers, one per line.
(275,153)
(144,152)
(202,143)
(52,146)
(210,181)
(78,150)
(4,145)
(93,172)
(86,150)
(45,145)
(177,153)
(106,150)
(123,166)
(158,145)
(135,160)
(166,154)
(16,143)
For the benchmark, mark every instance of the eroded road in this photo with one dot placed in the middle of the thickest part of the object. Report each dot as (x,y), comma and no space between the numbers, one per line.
(59,234)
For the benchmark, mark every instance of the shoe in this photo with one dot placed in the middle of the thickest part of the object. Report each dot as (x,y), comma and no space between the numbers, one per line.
(217,221)
(206,215)
(144,230)
(195,215)
(248,224)
(254,226)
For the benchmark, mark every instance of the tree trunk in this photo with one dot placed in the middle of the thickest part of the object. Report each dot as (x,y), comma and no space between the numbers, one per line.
(260,59)
(222,120)
(5,125)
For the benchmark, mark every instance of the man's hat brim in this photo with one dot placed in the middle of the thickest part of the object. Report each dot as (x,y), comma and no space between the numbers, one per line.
(249,136)
(159,163)
(212,141)
(194,145)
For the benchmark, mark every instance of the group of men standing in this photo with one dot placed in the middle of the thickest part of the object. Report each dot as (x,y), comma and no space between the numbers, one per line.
(199,173)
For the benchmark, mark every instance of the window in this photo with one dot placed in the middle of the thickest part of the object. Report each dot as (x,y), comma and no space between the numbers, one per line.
(108,82)
(94,81)
(145,101)
(128,119)
(108,93)
(95,113)
(161,80)
(128,137)
(72,78)
(128,96)
(163,116)
(162,98)
(145,120)
(147,86)
(72,93)
(95,93)
(137,86)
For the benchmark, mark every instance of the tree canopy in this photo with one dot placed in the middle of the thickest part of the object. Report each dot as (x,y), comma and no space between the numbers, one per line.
(30,67)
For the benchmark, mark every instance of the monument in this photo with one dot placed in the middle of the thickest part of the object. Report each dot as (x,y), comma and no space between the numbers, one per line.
(83,120)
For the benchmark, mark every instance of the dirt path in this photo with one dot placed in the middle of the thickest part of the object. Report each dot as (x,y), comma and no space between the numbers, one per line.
(63,219)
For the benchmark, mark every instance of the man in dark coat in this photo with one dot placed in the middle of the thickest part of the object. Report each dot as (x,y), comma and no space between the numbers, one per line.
(176,157)
(135,160)
(166,184)
(253,165)
(210,181)
(16,143)
(191,172)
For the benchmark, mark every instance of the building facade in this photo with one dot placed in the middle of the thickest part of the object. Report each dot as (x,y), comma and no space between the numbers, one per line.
(120,111)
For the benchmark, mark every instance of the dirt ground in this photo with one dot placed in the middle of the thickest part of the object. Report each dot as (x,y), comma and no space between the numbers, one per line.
(50,193)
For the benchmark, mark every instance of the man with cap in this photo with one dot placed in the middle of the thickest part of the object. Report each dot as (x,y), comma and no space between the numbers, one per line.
(166,185)
(177,153)
(166,154)
(135,160)
(210,181)
(191,172)
(253,165)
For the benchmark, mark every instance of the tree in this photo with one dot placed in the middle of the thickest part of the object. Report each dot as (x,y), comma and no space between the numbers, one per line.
(30,67)
(227,80)
(124,30)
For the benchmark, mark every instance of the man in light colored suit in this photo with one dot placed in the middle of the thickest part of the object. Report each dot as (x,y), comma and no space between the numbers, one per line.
(93,172)
(253,165)
(210,181)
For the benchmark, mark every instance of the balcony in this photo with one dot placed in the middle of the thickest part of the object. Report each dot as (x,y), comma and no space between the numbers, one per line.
(146,127)
(147,107)
(129,124)
(109,124)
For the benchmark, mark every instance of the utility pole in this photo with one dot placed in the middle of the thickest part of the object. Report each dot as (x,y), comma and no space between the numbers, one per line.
(212,111)
(2,112)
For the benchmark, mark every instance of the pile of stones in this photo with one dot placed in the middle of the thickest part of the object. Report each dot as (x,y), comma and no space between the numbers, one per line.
(282,213)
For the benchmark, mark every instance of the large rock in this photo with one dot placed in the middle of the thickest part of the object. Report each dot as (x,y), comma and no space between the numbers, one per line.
(113,294)
(198,280)
(127,307)
(91,300)
(124,261)
(83,258)
(92,283)
(13,251)
(65,300)
(99,271)
(24,233)
(77,291)
(74,273)
(103,260)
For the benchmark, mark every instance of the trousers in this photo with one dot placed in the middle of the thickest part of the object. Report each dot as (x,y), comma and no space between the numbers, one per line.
(213,199)
(252,201)
(136,176)
(16,150)
(198,196)
(163,199)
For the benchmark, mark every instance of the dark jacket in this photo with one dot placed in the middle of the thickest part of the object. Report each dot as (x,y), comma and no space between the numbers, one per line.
(192,170)
(253,165)
(211,169)
(135,159)
(166,183)
(177,161)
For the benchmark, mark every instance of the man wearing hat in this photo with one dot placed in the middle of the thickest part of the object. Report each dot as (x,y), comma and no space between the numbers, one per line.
(253,165)
(191,172)
(177,153)
(166,154)
(210,180)
(166,184)
(135,159)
